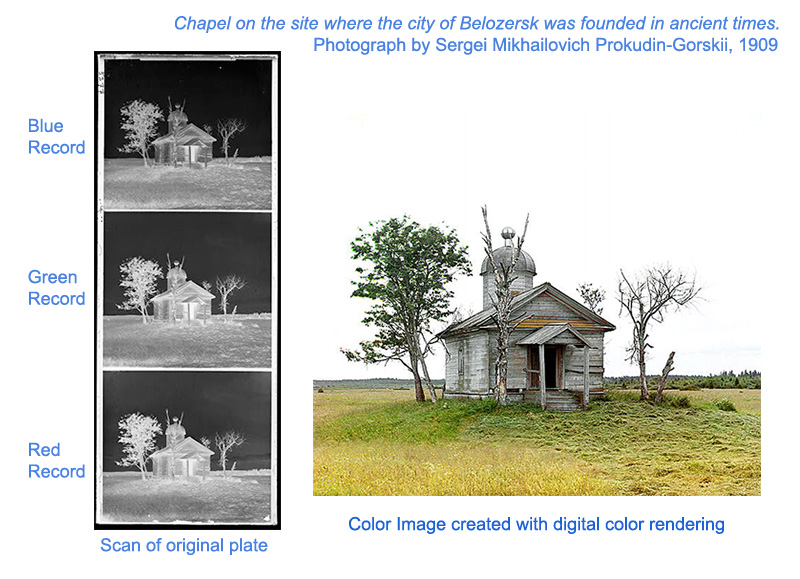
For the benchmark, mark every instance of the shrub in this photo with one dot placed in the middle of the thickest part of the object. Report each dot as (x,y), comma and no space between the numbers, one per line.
(676,401)
(726,405)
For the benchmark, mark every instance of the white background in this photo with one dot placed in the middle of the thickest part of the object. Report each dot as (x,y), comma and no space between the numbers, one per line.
(622,160)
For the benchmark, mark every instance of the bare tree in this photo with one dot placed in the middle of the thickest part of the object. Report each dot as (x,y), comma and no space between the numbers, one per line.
(227,129)
(593,297)
(139,279)
(137,435)
(224,443)
(646,298)
(225,287)
(140,124)
(501,301)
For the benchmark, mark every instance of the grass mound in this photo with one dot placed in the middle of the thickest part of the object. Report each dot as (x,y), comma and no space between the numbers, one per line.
(370,443)
(404,422)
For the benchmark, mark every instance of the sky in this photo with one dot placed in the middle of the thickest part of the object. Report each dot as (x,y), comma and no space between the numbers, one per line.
(612,181)
(212,89)
(212,244)
(211,402)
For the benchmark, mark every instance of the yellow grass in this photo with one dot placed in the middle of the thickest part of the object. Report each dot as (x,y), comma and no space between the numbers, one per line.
(379,442)
(746,401)
(450,469)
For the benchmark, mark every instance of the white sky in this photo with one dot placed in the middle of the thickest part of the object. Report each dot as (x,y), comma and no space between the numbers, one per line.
(620,164)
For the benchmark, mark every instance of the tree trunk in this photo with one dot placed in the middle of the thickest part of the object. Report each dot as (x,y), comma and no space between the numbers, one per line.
(418,390)
(414,366)
(643,376)
(501,366)
(431,389)
(664,373)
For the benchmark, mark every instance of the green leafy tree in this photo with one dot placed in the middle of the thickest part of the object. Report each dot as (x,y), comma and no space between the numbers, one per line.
(405,273)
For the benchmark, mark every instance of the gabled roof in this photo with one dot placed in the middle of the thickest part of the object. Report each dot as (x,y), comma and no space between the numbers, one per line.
(544,335)
(189,135)
(186,447)
(483,320)
(186,292)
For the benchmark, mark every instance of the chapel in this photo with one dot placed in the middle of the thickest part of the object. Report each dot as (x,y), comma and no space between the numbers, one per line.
(555,355)
(184,301)
(184,143)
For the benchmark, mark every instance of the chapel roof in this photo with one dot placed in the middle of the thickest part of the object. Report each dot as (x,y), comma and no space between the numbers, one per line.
(186,446)
(187,135)
(485,319)
(187,291)
(504,255)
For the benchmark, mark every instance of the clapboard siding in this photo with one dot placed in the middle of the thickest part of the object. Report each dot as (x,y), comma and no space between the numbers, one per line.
(472,345)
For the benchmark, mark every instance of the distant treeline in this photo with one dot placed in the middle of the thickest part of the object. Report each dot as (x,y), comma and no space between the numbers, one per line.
(747,379)
(370,383)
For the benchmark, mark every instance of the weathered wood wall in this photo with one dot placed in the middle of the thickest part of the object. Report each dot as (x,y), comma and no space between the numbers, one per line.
(523,282)
(479,351)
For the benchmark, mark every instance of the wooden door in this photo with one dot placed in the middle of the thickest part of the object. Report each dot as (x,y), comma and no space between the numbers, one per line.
(533,368)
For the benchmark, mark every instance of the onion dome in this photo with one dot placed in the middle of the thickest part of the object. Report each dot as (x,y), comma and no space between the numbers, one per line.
(176,277)
(504,255)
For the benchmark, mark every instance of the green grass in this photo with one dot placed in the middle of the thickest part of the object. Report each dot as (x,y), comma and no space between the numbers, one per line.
(371,442)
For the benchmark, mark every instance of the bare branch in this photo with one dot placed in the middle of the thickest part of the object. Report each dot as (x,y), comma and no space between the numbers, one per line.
(648,297)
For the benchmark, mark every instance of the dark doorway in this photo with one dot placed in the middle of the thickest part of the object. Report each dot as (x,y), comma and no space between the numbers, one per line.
(551,367)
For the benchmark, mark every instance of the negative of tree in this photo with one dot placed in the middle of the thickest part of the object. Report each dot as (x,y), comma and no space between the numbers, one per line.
(648,297)
(227,129)
(501,302)
(138,277)
(225,287)
(137,435)
(405,273)
(140,125)
(225,442)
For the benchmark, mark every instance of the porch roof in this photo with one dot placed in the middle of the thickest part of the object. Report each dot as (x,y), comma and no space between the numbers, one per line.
(550,332)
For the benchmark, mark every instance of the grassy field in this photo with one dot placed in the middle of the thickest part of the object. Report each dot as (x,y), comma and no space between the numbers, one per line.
(243,343)
(236,499)
(244,184)
(381,442)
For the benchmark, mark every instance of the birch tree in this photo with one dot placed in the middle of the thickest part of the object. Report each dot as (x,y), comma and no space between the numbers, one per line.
(140,124)
(225,442)
(139,279)
(227,130)
(406,268)
(137,435)
(646,298)
(501,302)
